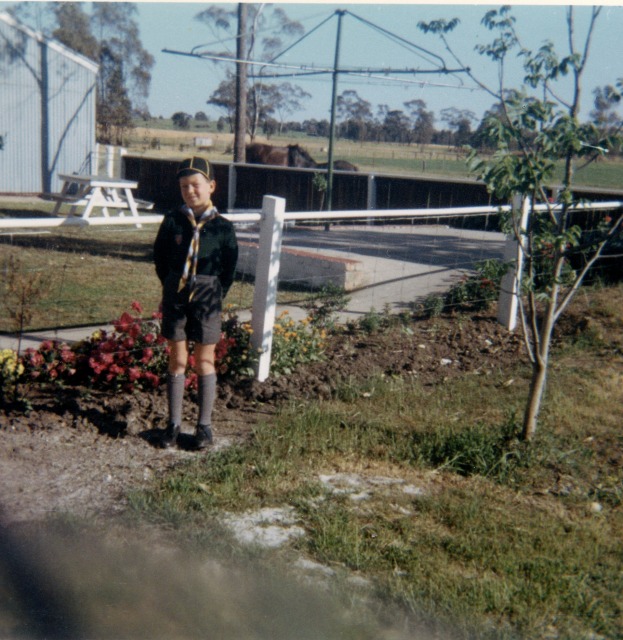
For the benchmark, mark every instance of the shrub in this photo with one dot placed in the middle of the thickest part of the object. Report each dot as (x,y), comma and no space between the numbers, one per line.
(133,356)
(11,369)
(325,304)
(295,343)
(235,356)
(53,361)
(476,291)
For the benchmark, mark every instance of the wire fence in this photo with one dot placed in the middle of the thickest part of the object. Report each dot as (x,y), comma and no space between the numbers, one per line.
(384,261)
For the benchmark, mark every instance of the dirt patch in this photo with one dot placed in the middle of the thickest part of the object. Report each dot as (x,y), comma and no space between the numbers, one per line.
(80,451)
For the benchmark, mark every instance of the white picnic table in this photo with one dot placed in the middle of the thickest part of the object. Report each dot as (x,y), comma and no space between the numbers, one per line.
(84,193)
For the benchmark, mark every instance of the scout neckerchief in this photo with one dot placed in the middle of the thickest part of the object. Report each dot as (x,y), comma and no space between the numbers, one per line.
(190,268)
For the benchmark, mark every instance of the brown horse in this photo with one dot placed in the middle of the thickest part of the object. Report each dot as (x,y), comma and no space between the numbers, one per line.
(293,155)
(338,165)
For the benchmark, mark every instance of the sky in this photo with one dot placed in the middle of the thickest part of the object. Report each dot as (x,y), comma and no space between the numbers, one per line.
(182,83)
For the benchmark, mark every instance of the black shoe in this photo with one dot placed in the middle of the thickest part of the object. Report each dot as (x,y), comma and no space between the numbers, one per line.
(169,435)
(203,436)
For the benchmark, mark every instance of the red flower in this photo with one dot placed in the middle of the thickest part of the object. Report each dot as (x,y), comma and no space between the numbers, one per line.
(124,323)
(151,378)
(136,306)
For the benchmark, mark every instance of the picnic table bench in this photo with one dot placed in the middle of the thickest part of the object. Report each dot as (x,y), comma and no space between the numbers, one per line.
(84,193)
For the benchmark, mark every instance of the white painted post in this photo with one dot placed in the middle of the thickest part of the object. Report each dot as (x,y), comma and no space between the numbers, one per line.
(121,152)
(95,168)
(110,160)
(510,288)
(266,280)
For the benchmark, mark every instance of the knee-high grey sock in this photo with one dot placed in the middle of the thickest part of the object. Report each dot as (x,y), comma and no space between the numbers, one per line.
(206,394)
(175,394)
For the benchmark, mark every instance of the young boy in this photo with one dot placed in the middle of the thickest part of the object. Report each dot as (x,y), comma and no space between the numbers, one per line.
(195,255)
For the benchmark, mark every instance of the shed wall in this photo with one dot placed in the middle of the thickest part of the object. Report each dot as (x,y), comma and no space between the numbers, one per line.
(47,111)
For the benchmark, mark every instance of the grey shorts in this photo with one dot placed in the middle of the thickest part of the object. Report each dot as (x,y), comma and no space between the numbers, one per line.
(198,320)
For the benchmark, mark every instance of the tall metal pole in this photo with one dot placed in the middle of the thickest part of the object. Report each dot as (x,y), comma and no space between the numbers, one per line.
(241,86)
(340,13)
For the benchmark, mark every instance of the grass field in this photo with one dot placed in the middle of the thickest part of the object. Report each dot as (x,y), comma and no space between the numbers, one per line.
(368,156)
(503,542)
(86,276)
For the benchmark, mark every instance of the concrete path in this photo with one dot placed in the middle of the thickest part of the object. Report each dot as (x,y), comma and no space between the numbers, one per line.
(403,264)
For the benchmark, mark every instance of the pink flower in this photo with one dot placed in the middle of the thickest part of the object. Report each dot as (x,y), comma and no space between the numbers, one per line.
(68,356)
(136,306)
(151,378)
(124,323)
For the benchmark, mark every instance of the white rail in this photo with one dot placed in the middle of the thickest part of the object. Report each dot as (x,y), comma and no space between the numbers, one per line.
(272,219)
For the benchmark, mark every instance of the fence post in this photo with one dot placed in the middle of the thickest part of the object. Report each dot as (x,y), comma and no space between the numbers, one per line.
(95,165)
(510,287)
(266,280)
(110,161)
(231,187)
(371,199)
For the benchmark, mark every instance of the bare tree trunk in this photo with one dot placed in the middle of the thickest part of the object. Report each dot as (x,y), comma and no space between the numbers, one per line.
(542,338)
(241,86)
(535,397)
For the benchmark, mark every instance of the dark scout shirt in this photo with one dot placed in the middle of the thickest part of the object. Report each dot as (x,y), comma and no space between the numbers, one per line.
(218,248)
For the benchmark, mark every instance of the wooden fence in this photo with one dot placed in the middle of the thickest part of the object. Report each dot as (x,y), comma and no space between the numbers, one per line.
(243,186)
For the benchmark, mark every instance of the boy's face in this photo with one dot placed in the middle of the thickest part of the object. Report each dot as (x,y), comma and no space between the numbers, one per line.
(197,191)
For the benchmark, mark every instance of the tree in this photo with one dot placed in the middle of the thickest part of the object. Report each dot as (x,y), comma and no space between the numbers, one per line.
(114,108)
(109,36)
(73,29)
(289,99)
(397,127)
(114,26)
(261,19)
(543,125)
(355,114)
(224,97)
(460,122)
(282,99)
(181,120)
(423,121)
(604,114)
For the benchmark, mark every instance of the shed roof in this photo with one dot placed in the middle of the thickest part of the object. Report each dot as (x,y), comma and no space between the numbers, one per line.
(53,44)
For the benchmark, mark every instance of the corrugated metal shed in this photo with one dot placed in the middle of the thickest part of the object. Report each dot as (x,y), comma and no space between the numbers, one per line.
(47,110)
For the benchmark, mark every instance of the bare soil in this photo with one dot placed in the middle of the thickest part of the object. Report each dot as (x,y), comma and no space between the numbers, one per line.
(79,451)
